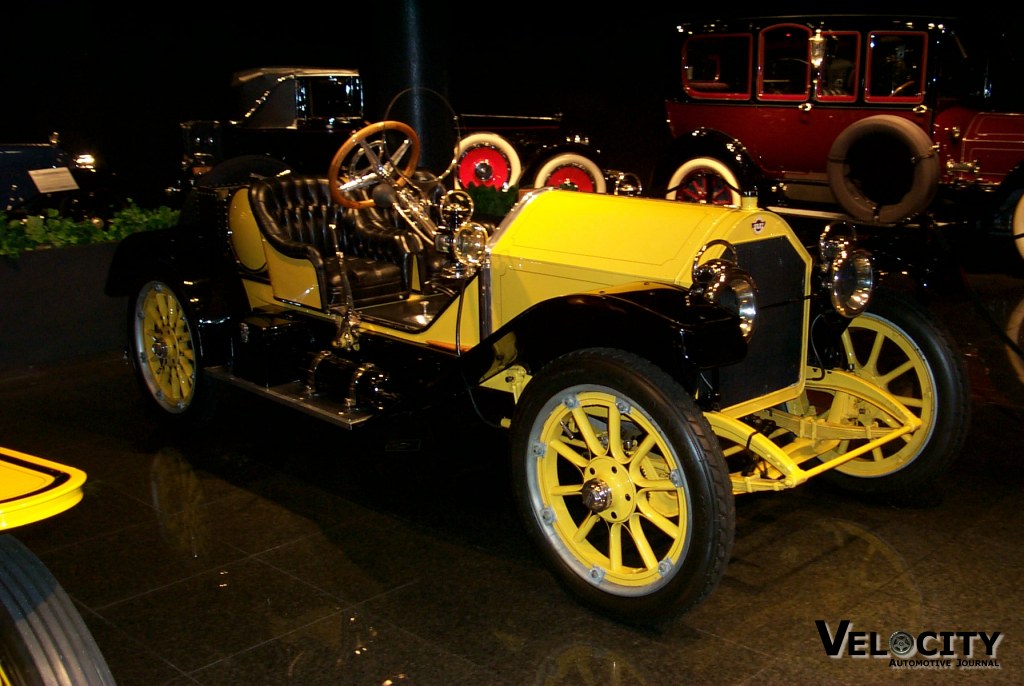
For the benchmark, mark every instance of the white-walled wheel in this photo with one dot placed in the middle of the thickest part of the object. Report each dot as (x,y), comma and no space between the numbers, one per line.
(573,171)
(704,180)
(487,159)
(883,169)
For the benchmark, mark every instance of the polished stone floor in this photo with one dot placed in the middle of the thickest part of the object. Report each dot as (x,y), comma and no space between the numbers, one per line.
(275,550)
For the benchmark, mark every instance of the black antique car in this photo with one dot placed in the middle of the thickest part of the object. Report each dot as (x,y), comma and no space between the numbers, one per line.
(295,117)
(36,177)
(650,359)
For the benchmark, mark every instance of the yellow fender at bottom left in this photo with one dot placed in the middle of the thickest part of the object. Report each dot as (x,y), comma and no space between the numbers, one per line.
(32,488)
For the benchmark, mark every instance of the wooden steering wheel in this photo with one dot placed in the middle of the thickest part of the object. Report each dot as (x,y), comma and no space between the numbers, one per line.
(373,166)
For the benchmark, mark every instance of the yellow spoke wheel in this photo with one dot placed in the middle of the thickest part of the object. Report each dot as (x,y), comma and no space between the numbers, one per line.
(622,484)
(898,346)
(163,348)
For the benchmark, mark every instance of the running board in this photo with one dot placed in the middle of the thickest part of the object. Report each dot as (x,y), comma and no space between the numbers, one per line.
(839,216)
(295,395)
(813,214)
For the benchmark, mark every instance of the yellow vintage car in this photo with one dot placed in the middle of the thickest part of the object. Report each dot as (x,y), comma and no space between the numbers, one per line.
(650,360)
(43,639)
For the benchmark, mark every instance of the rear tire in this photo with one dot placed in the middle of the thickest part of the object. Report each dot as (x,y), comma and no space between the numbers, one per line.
(572,171)
(163,346)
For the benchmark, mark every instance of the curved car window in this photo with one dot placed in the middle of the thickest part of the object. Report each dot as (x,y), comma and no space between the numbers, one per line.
(785,63)
(840,68)
(333,98)
(896,66)
(717,66)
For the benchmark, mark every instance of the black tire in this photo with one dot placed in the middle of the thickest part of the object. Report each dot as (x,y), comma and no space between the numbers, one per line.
(163,345)
(936,382)
(674,568)
(43,639)
(883,169)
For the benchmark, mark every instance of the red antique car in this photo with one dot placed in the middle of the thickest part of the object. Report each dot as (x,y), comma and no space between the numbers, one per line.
(887,118)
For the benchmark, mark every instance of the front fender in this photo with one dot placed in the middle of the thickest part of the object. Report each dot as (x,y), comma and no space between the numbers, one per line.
(666,324)
(705,142)
(137,255)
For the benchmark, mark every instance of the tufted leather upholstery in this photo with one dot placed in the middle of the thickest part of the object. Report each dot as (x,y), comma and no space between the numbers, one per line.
(373,233)
(299,219)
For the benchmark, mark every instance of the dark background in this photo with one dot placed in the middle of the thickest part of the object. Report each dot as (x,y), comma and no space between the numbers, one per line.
(118,83)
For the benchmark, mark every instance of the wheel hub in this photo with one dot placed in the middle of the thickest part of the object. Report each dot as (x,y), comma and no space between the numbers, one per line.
(608,490)
(160,349)
(483,171)
(597,496)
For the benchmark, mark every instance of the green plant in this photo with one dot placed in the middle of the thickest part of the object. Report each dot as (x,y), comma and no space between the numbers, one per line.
(51,230)
(492,203)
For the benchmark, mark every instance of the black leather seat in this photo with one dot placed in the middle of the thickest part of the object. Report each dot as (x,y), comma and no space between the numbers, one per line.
(300,219)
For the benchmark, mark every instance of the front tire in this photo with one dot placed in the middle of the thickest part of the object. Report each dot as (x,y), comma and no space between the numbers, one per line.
(43,639)
(164,349)
(897,345)
(704,180)
(622,485)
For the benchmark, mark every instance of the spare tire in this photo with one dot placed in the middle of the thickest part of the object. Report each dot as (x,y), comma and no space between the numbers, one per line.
(486,159)
(883,169)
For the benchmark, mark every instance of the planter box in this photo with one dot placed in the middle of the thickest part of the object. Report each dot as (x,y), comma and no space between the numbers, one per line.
(52,305)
